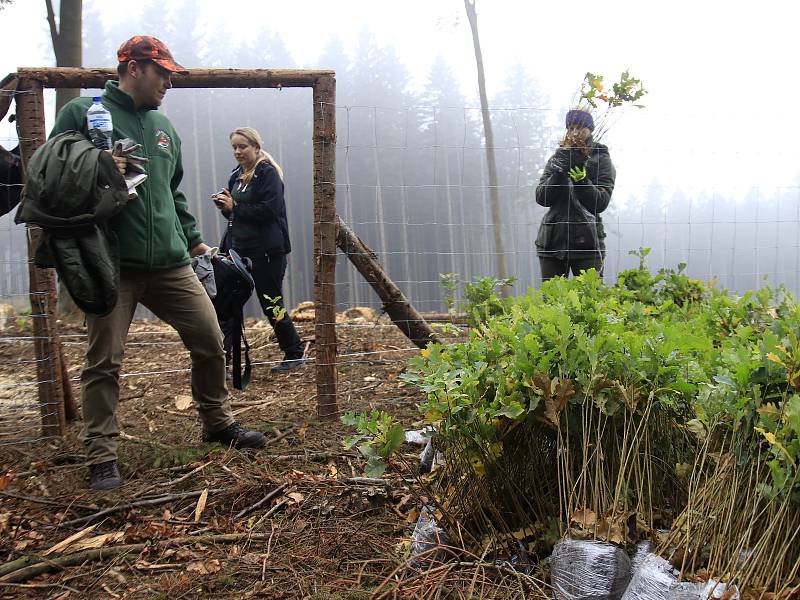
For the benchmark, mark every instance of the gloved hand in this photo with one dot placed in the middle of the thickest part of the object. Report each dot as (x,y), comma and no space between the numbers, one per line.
(560,161)
(576,157)
(577,174)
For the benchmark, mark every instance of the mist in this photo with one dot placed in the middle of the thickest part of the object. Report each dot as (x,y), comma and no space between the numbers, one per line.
(412,174)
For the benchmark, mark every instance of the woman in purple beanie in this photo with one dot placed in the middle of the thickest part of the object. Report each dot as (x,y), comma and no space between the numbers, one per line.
(576,187)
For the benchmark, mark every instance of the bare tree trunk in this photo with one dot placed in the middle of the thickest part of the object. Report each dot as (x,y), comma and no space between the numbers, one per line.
(494,200)
(487,258)
(67,39)
(68,47)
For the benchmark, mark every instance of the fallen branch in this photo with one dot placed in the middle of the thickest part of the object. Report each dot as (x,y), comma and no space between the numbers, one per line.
(369,481)
(45,501)
(271,512)
(119,508)
(280,436)
(396,305)
(315,456)
(39,586)
(37,565)
(48,468)
(181,479)
(261,502)
(17,564)
(186,476)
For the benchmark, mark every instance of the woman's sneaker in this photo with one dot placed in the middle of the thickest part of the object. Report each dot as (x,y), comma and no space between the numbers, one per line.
(237,436)
(289,364)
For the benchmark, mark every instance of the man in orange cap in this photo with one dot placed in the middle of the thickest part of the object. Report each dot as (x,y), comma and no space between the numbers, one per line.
(157,235)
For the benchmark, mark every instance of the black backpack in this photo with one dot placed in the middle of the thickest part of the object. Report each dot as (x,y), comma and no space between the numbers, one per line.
(234,282)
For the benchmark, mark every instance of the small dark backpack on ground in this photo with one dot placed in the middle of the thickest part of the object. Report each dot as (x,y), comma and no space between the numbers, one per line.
(234,283)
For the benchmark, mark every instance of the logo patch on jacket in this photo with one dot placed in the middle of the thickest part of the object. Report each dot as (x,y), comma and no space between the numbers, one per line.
(163,140)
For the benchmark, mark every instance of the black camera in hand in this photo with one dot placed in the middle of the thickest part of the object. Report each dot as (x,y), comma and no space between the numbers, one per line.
(219,198)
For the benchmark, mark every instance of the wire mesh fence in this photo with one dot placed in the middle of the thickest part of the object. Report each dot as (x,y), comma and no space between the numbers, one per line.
(412,183)
(417,192)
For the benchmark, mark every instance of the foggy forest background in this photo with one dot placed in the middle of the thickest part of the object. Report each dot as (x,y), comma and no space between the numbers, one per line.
(412,177)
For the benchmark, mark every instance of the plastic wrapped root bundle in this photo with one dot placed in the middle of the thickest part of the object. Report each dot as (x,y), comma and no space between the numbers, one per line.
(419,437)
(703,591)
(427,539)
(643,550)
(656,579)
(426,457)
(589,570)
(717,589)
(653,579)
(430,458)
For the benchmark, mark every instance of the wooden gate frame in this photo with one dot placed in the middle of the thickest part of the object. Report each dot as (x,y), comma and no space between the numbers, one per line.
(55,392)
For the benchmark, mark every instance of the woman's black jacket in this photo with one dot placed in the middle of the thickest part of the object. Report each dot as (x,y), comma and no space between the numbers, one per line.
(573,228)
(257,225)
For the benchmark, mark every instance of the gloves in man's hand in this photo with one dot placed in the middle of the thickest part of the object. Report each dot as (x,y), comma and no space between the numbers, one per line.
(135,172)
(126,147)
(577,174)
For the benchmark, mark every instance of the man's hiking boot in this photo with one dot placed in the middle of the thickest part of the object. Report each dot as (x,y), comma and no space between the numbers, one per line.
(104,476)
(288,364)
(237,436)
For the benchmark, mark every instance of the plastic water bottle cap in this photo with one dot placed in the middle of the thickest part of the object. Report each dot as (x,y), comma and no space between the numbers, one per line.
(96,99)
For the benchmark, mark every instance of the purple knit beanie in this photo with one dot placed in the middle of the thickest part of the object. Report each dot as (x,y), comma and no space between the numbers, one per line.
(580,118)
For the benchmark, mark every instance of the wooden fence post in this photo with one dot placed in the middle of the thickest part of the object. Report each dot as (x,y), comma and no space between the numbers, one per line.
(325,244)
(51,372)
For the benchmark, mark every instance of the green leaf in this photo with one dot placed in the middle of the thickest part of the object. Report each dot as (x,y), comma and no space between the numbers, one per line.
(778,474)
(375,467)
(394,437)
(512,410)
(349,418)
(367,450)
(352,441)
(793,414)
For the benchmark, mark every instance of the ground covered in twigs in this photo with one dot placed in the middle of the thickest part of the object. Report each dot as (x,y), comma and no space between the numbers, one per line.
(295,520)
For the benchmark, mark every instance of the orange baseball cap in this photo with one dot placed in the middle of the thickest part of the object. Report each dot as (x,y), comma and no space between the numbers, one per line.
(146,47)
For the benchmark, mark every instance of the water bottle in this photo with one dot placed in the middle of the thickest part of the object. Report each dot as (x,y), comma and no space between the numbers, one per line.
(99,124)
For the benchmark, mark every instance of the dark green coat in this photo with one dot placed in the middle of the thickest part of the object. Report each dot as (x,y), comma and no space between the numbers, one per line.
(155,230)
(72,191)
(573,228)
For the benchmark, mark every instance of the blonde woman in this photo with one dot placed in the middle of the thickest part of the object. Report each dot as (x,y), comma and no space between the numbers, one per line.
(255,208)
